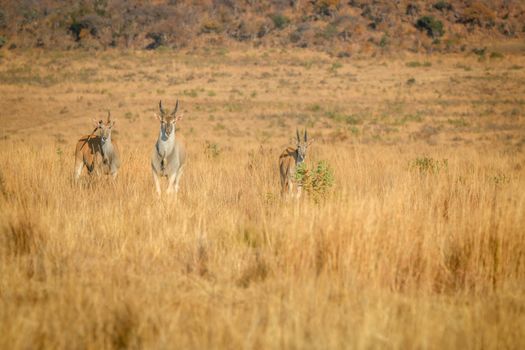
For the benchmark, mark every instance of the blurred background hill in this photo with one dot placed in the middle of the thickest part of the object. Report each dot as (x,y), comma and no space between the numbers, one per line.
(339,27)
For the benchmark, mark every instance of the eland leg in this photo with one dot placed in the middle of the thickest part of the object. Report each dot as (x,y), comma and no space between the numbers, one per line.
(156,181)
(79,164)
(177,179)
(172,188)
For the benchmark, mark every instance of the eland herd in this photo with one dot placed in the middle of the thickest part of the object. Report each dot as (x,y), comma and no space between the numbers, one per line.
(98,152)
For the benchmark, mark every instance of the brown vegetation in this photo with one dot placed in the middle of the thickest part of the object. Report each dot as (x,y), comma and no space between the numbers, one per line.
(418,244)
(338,27)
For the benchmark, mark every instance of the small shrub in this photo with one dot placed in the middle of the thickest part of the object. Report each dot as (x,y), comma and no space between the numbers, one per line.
(335,66)
(211,26)
(90,24)
(416,64)
(413,64)
(314,108)
(159,39)
(496,55)
(279,20)
(219,126)
(411,81)
(317,181)
(385,40)
(443,6)
(326,7)
(329,32)
(412,9)
(478,14)
(464,67)
(480,51)
(211,149)
(190,93)
(459,123)
(431,25)
(427,165)
(500,179)
(3,41)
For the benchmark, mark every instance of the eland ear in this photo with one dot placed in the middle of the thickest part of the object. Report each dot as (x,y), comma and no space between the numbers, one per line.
(179,117)
(96,123)
(157,116)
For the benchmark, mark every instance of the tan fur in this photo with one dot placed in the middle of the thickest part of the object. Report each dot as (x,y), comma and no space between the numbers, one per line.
(97,150)
(87,150)
(287,165)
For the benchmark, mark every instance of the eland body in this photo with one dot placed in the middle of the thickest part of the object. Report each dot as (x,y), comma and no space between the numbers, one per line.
(169,154)
(97,150)
(289,160)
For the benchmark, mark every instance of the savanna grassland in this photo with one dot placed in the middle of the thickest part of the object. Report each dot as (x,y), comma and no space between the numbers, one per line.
(420,243)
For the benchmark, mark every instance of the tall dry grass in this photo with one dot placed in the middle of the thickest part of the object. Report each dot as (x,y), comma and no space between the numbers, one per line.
(401,254)
(393,258)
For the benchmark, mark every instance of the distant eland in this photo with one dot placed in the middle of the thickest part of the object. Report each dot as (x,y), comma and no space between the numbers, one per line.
(289,160)
(169,154)
(98,150)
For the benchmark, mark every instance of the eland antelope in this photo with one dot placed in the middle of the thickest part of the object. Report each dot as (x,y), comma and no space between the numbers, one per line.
(169,155)
(288,162)
(97,149)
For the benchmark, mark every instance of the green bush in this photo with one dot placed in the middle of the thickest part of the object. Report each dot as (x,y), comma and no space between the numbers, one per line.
(427,165)
(431,25)
(416,64)
(443,6)
(211,150)
(3,41)
(480,51)
(317,181)
(384,41)
(496,55)
(280,21)
(326,7)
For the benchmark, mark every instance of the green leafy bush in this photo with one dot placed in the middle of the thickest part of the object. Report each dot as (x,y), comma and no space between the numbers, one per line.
(431,25)
(385,40)
(317,181)
(443,6)
(280,21)
(427,165)
(326,7)
(211,150)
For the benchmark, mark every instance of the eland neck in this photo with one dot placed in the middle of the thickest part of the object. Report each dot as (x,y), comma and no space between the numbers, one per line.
(107,146)
(298,158)
(165,143)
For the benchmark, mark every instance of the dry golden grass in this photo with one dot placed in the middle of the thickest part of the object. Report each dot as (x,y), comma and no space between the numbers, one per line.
(421,243)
